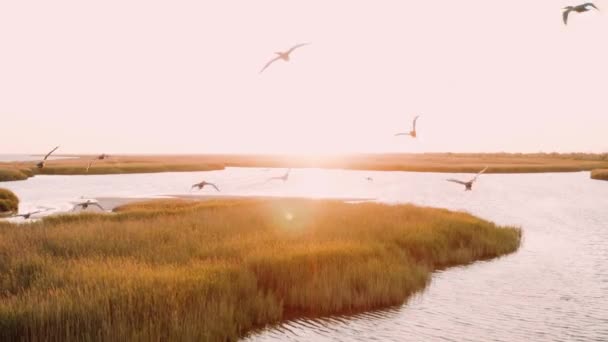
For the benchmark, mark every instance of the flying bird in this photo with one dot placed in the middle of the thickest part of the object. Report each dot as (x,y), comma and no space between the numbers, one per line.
(282,55)
(369,179)
(468,185)
(578,9)
(26,216)
(41,163)
(202,184)
(411,133)
(99,157)
(284,177)
(84,205)
(90,163)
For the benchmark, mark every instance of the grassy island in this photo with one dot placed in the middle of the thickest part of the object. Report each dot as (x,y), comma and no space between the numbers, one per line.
(601,174)
(214,270)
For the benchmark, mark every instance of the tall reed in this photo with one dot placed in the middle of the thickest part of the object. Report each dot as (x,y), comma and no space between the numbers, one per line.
(213,270)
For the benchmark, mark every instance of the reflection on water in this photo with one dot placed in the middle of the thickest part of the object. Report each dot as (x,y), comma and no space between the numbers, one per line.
(555,288)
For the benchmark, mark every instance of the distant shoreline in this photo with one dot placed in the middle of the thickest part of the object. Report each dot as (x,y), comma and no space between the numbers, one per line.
(427,162)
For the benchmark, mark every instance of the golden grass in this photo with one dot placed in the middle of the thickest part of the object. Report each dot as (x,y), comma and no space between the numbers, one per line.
(430,162)
(114,165)
(601,174)
(213,270)
(9,173)
(427,162)
(9,202)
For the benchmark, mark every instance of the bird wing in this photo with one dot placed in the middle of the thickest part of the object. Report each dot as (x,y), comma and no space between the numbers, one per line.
(415,119)
(456,181)
(215,186)
(479,173)
(295,47)
(565,16)
(402,134)
(98,206)
(592,5)
(269,63)
(48,154)
(90,163)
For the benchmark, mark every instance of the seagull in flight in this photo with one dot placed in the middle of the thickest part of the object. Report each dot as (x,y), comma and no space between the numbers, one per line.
(202,184)
(282,55)
(468,185)
(84,205)
(99,157)
(411,133)
(578,9)
(284,177)
(26,216)
(41,163)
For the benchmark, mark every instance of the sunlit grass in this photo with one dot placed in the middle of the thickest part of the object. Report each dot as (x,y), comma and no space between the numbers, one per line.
(213,270)
(601,174)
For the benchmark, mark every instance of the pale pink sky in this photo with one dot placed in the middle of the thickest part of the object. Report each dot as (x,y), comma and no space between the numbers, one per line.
(182,76)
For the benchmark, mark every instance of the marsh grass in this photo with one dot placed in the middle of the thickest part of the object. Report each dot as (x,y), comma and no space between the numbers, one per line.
(213,270)
(433,162)
(115,165)
(601,174)
(426,162)
(8,173)
(9,202)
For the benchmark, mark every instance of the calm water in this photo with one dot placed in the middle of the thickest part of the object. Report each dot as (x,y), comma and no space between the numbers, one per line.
(555,288)
(25,157)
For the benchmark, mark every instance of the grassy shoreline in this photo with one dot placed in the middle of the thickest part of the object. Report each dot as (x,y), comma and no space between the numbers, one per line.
(115,165)
(427,162)
(215,270)
(600,174)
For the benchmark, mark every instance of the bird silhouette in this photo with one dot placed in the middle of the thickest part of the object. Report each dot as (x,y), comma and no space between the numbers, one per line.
(284,177)
(26,216)
(84,205)
(411,133)
(469,184)
(282,55)
(41,163)
(578,9)
(202,184)
(99,157)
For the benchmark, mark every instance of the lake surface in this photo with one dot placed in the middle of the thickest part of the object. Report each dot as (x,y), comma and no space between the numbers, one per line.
(555,288)
(25,157)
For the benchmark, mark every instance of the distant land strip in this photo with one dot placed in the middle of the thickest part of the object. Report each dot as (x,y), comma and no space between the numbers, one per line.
(425,162)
